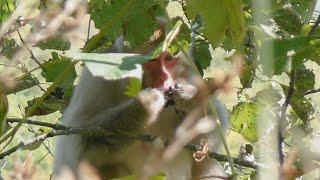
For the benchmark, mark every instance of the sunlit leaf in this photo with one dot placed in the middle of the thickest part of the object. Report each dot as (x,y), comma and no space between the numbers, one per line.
(54,67)
(244,120)
(134,87)
(219,16)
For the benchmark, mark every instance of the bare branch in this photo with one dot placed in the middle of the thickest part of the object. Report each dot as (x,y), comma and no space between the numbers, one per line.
(312,91)
(38,123)
(282,120)
(105,132)
(315,26)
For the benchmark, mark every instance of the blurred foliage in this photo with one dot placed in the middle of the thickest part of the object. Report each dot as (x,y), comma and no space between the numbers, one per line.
(54,43)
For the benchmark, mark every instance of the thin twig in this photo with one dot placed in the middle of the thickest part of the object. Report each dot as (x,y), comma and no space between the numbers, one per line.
(312,91)
(23,42)
(38,123)
(89,27)
(282,120)
(30,51)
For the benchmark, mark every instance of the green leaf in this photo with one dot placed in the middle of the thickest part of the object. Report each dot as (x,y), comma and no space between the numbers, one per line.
(6,7)
(112,65)
(50,105)
(278,62)
(288,19)
(134,87)
(54,67)
(219,16)
(244,120)
(305,8)
(103,12)
(305,80)
(182,39)
(301,105)
(108,17)
(247,77)
(136,19)
(249,49)
(54,43)
(9,48)
(138,31)
(202,56)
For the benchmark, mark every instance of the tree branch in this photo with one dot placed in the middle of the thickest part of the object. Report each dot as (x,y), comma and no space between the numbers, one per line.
(315,26)
(312,91)
(38,123)
(105,132)
(282,120)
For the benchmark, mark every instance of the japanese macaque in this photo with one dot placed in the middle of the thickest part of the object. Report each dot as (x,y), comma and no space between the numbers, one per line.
(97,102)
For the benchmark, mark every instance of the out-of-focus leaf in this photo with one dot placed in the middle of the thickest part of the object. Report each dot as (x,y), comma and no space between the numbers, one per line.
(134,87)
(243,120)
(288,19)
(202,56)
(305,30)
(6,6)
(54,43)
(219,16)
(180,42)
(10,47)
(268,97)
(112,65)
(218,63)
(54,67)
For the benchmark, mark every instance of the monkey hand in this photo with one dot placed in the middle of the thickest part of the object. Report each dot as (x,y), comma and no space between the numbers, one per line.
(182,97)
